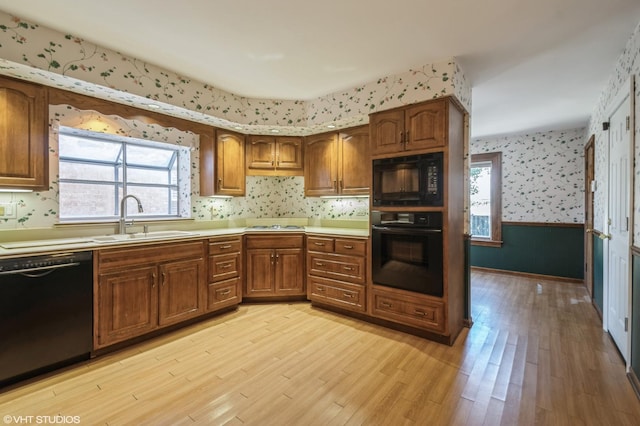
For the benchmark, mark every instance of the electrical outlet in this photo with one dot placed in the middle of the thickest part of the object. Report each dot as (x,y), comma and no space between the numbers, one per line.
(8,210)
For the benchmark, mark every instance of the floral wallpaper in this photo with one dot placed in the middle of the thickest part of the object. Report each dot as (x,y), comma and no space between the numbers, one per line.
(627,66)
(37,53)
(542,175)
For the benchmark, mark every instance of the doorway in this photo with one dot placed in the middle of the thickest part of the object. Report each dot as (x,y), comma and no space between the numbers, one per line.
(589,181)
(617,224)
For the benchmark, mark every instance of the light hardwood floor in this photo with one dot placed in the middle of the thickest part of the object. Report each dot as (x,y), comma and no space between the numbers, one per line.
(535,355)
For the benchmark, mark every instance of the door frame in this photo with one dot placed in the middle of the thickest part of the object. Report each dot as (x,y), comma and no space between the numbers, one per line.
(589,181)
(626,90)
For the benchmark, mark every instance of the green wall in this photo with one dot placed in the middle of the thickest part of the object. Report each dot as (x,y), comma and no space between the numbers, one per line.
(548,250)
(598,272)
(635,317)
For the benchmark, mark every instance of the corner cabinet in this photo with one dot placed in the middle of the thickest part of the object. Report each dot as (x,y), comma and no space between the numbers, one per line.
(413,128)
(275,266)
(24,148)
(337,163)
(141,289)
(221,163)
(274,156)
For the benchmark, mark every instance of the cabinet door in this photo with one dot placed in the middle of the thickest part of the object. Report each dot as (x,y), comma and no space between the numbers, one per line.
(182,291)
(289,153)
(289,272)
(260,276)
(261,151)
(426,125)
(355,162)
(321,165)
(24,154)
(127,305)
(230,177)
(387,132)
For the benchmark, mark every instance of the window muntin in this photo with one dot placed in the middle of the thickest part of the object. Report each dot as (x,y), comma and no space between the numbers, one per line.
(486,198)
(97,170)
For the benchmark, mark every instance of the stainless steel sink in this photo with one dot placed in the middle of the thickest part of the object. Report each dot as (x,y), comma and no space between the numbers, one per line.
(140,236)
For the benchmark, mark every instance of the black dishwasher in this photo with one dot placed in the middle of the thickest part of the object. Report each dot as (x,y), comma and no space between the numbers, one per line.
(46,313)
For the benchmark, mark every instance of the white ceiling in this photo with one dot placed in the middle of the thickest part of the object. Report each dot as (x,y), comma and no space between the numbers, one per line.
(533,64)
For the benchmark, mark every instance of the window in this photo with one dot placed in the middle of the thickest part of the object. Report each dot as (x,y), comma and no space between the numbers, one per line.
(486,199)
(97,170)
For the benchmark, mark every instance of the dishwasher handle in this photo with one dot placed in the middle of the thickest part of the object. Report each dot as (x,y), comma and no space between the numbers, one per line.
(44,270)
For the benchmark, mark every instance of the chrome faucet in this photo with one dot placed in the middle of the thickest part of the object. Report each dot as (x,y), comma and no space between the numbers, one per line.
(123,212)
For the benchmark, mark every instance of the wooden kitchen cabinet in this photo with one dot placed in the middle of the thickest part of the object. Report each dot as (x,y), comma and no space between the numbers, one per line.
(221,164)
(225,272)
(140,289)
(336,271)
(410,129)
(274,265)
(24,135)
(274,156)
(338,163)
(181,295)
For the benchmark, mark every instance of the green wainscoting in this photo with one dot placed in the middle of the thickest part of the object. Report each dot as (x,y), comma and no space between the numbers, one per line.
(635,316)
(554,250)
(598,272)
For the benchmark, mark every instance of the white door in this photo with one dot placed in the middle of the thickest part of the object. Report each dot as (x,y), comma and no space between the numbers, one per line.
(618,230)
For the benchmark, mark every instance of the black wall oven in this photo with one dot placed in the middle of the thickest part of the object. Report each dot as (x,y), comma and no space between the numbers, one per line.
(407,251)
(413,180)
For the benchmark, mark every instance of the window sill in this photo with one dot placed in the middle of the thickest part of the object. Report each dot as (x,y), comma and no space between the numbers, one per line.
(485,243)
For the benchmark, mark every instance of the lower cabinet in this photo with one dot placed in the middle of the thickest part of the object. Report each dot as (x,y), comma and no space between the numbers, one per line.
(336,271)
(224,286)
(415,310)
(274,265)
(141,289)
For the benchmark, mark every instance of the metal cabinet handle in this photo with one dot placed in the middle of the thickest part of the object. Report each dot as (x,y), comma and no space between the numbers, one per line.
(226,266)
(228,246)
(348,268)
(219,184)
(224,293)
(320,288)
(320,264)
(348,246)
(386,304)
(319,244)
(348,295)
(419,312)
(164,276)
(154,280)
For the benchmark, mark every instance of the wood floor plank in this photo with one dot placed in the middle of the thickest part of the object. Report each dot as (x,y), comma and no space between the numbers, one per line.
(536,354)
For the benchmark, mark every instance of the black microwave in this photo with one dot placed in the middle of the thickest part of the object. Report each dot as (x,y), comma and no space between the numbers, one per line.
(413,180)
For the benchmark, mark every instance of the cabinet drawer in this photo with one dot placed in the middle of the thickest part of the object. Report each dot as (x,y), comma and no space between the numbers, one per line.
(320,244)
(124,257)
(423,314)
(344,295)
(341,267)
(352,247)
(224,266)
(225,246)
(274,241)
(224,293)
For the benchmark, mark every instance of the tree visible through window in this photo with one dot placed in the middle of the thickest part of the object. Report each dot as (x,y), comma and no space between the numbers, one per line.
(97,170)
(486,193)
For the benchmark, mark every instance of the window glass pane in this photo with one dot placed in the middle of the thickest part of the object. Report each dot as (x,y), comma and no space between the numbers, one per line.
(146,156)
(155,201)
(135,175)
(84,171)
(89,149)
(86,200)
(481,201)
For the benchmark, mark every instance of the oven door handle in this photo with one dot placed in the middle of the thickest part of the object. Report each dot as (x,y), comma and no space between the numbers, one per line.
(406,230)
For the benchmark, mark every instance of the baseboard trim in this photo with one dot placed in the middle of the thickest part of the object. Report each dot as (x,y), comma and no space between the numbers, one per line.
(529,275)
(635,383)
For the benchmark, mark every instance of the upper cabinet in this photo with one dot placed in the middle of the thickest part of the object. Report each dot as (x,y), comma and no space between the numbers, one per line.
(221,160)
(274,156)
(338,163)
(24,155)
(414,128)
